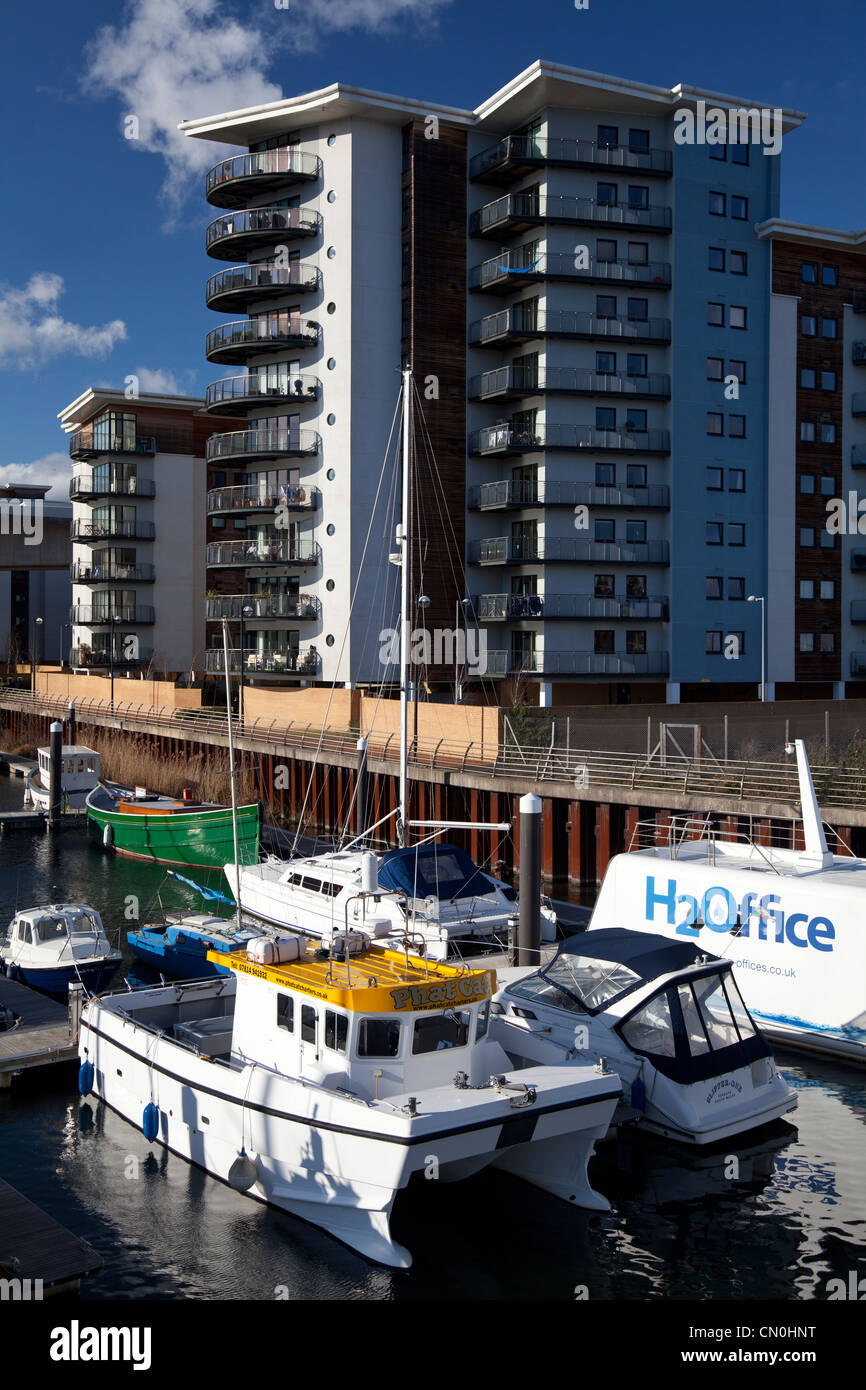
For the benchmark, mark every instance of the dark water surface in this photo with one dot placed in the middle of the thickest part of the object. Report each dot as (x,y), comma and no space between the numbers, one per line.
(679,1227)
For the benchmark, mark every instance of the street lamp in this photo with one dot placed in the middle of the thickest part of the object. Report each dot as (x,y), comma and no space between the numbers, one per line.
(246,612)
(756,598)
(37,622)
(463,603)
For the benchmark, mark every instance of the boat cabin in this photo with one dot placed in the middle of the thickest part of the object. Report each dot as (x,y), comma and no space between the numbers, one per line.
(79,767)
(41,926)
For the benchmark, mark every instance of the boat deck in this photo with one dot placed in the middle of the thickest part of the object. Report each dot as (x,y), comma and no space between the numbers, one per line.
(43,1248)
(40,1039)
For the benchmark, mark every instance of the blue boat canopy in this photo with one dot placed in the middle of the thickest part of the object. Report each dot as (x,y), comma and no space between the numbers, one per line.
(433,871)
(644,952)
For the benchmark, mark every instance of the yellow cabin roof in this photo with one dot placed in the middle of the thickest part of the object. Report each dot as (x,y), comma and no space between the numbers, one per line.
(375,982)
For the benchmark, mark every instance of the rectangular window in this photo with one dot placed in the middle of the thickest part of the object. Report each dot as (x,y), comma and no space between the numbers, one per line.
(737,317)
(605,417)
(739,263)
(716,315)
(715,479)
(635,420)
(718,151)
(635,531)
(638,309)
(807,588)
(635,364)
(736,480)
(715,422)
(286,1012)
(639,141)
(713,643)
(336,1030)
(606,194)
(828,381)
(737,368)
(438,1032)
(714,532)
(608,136)
(605,363)
(638,196)
(807,537)
(828,541)
(807,431)
(736,533)
(740,639)
(715,368)
(828,328)
(716,258)
(809,272)
(808,378)
(603,640)
(635,643)
(308,1023)
(808,325)
(714,586)
(807,641)
(739,207)
(605,250)
(379,1037)
(736,588)
(605,475)
(605,585)
(829,275)
(828,434)
(737,426)
(827,642)
(605,529)
(828,485)
(635,585)
(717,204)
(828,589)
(739,154)
(635,475)
(605,306)
(807,484)
(638,253)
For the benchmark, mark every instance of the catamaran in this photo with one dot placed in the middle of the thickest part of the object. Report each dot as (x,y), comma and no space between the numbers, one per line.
(790,920)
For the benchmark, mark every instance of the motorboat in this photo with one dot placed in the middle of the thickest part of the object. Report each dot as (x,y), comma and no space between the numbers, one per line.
(79,774)
(321,1081)
(665,1015)
(52,947)
(790,920)
(433,894)
(179,945)
(170,830)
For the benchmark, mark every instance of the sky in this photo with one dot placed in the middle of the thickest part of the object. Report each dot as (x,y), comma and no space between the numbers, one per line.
(102,262)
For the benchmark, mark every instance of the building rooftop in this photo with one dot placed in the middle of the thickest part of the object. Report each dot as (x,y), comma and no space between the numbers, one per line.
(777,229)
(97,398)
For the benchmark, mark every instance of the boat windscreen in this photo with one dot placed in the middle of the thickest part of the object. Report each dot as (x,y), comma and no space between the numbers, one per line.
(433,871)
(697,1028)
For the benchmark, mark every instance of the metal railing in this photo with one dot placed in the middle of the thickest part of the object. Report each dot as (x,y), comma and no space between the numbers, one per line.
(101,659)
(509,266)
(82,443)
(506,439)
(540,493)
(524,323)
(263,221)
(298,276)
(251,497)
(286,662)
(522,607)
(545,207)
(293,163)
(112,530)
(120,613)
(502,663)
(252,606)
(533,150)
(83,488)
(528,381)
(253,388)
(260,334)
(510,551)
(254,552)
(269,440)
(82,573)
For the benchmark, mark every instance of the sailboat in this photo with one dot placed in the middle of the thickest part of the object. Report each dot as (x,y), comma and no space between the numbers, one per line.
(430,894)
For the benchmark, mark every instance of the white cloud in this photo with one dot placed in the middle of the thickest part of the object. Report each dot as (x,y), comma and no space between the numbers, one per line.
(172,60)
(160,381)
(32,330)
(55,469)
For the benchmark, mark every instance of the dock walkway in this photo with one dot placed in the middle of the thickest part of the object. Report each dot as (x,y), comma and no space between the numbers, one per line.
(41,1039)
(42,1248)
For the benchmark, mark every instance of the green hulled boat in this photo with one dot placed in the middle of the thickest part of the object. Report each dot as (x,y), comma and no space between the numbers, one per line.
(148,826)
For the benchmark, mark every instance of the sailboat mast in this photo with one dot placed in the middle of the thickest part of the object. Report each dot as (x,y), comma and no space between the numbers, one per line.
(232,769)
(404,609)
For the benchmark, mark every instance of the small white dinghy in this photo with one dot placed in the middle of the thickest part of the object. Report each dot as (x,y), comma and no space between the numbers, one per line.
(665,1016)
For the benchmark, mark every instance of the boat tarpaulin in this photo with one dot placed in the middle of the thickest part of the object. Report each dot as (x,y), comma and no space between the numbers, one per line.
(433,871)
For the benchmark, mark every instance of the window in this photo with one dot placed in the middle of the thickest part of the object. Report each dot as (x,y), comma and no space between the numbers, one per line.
(713,643)
(308,1023)
(715,479)
(336,1030)
(808,378)
(714,586)
(717,204)
(605,250)
(635,475)
(807,641)
(828,485)
(828,541)
(635,531)
(828,328)
(441,1031)
(605,529)
(715,422)
(638,309)
(605,585)
(635,643)
(739,263)
(807,588)
(605,306)
(635,420)
(635,585)
(829,275)
(827,642)
(635,364)
(638,196)
(482,1020)
(716,315)
(605,362)
(737,368)
(715,368)
(737,589)
(608,136)
(807,432)
(736,480)
(286,1012)
(639,141)
(739,154)
(718,151)
(807,536)
(716,258)
(828,589)
(807,484)
(737,318)
(379,1037)
(603,641)
(740,639)
(736,533)
(809,272)
(739,207)
(714,531)
(605,475)
(606,193)
(737,426)
(828,381)
(828,434)
(808,325)
(605,417)
(638,253)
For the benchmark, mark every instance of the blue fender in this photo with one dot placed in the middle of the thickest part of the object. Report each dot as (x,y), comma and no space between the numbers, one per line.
(150,1122)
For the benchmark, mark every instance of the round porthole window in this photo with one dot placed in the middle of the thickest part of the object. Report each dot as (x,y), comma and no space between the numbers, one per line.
(332,362)
(332,140)
(331,475)
(331,528)
(332,251)
(332,420)
(329,640)
(332,197)
(332,308)
(330,586)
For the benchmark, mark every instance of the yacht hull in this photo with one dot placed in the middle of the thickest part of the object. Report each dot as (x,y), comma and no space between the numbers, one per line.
(96,976)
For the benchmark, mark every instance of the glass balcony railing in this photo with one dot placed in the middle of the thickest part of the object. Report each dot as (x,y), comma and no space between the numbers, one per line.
(251,607)
(113,530)
(82,444)
(242,231)
(233,180)
(521,324)
(519,211)
(529,381)
(125,653)
(86,489)
(506,439)
(540,493)
(262,552)
(236,287)
(257,389)
(518,154)
(305,661)
(83,573)
(235,342)
(263,443)
(121,613)
(258,497)
(510,269)
(508,550)
(523,607)
(501,663)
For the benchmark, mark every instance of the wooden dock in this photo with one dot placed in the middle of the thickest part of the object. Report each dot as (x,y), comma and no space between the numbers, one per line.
(41,1039)
(38,1248)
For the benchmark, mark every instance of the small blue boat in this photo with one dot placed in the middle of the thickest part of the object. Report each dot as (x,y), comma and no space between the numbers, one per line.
(52,947)
(179,945)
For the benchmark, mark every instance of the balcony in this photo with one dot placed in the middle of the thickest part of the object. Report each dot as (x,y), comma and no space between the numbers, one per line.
(511,271)
(234,394)
(244,554)
(232,182)
(89,489)
(242,233)
(510,496)
(521,608)
(522,324)
(82,446)
(272,607)
(234,343)
(519,212)
(83,573)
(90,532)
(505,439)
(507,382)
(262,444)
(518,155)
(304,662)
(858,403)
(503,663)
(505,550)
(242,285)
(97,617)
(858,662)
(222,501)
(101,659)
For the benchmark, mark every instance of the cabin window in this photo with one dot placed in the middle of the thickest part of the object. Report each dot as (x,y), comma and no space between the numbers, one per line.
(24,932)
(650,1029)
(91,766)
(286,1012)
(482,1021)
(336,1030)
(308,1023)
(738,1009)
(695,1033)
(379,1037)
(720,1026)
(438,1032)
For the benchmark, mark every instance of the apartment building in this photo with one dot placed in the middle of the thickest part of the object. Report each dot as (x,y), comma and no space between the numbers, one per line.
(138,531)
(35,591)
(817,570)
(584,300)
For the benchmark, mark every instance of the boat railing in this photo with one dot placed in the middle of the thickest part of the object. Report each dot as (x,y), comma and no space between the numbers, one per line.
(673,832)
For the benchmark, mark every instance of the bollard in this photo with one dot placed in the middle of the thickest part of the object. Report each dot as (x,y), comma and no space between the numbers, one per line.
(70,736)
(55,783)
(362,788)
(529,924)
(76,1007)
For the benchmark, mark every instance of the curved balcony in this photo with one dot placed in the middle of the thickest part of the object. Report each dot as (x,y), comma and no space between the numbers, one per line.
(504,550)
(254,608)
(234,394)
(503,663)
(91,489)
(523,323)
(243,285)
(520,212)
(505,439)
(235,343)
(82,446)
(511,270)
(96,617)
(232,182)
(516,156)
(506,495)
(83,573)
(519,607)
(508,382)
(91,532)
(243,554)
(262,444)
(223,501)
(240,233)
(304,662)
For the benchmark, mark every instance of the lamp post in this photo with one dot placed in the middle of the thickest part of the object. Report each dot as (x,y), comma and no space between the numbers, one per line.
(246,612)
(34,656)
(464,604)
(757,598)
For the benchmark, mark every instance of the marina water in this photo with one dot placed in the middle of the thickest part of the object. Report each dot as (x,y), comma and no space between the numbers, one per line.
(775,1219)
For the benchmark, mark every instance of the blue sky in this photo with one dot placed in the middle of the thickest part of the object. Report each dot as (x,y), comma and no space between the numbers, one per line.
(102,260)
